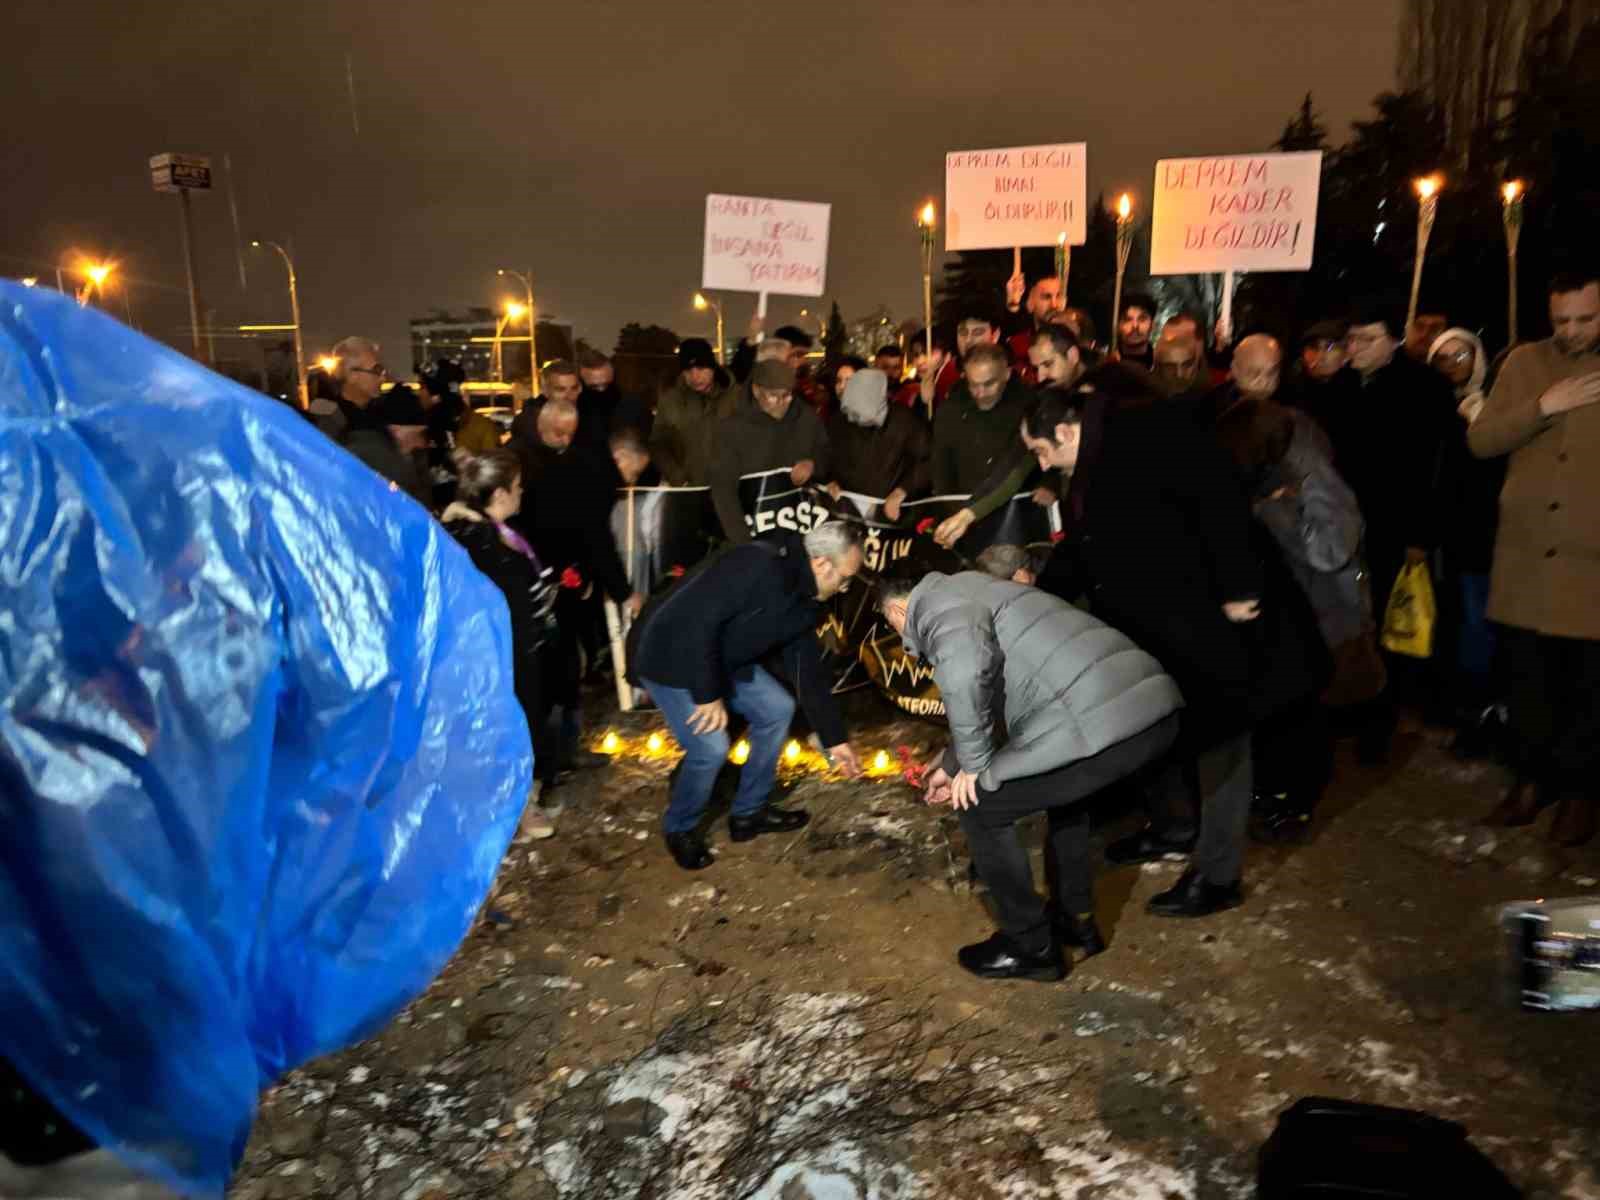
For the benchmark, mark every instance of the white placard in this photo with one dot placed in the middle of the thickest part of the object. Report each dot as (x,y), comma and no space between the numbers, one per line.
(1240,212)
(1017,196)
(759,245)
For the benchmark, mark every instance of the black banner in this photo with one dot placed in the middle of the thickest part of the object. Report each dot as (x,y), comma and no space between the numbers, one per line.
(673,528)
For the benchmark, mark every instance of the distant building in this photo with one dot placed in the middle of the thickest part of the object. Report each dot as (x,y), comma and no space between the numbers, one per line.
(468,338)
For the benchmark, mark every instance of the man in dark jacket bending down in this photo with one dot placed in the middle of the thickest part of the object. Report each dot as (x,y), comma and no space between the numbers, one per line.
(697,653)
(1081,706)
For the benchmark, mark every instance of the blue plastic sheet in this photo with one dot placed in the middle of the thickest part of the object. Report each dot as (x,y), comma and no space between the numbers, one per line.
(259,750)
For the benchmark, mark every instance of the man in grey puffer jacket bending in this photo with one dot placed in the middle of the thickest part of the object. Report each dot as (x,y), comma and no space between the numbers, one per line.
(1047,705)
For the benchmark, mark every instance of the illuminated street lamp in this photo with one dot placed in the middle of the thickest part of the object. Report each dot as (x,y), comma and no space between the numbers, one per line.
(526,280)
(302,393)
(513,312)
(30,281)
(703,302)
(328,363)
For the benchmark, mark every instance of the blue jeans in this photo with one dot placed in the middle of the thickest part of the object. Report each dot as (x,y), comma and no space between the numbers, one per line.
(766,704)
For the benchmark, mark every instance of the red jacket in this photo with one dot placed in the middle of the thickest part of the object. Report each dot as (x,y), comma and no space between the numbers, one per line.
(1017,346)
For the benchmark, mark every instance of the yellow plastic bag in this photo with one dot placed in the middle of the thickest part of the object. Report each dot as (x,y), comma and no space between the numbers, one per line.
(1409,619)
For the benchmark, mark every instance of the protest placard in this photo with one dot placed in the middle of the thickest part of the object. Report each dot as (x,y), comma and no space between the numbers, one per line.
(759,245)
(1018,196)
(1244,212)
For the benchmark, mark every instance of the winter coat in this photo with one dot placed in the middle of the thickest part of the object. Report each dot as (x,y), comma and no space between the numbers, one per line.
(530,594)
(1163,536)
(603,411)
(969,443)
(1547,554)
(363,433)
(1062,684)
(1389,433)
(875,461)
(684,441)
(1316,524)
(1469,487)
(566,512)
(751,441)
(748,602)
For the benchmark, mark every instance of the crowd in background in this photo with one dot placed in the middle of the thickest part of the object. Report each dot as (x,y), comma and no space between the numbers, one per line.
(1240,509)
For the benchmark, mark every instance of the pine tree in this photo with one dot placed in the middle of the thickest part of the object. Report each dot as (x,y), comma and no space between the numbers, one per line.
(1305,130)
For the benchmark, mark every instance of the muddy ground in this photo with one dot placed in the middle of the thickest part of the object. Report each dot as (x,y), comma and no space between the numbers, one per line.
(791,1023)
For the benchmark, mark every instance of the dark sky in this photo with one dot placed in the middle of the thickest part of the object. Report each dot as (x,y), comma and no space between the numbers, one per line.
(581,138)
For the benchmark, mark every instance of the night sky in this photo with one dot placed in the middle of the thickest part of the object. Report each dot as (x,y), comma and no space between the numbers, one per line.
(580,139)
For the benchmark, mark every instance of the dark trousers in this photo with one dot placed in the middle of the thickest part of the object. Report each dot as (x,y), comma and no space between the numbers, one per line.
(997,851)
(1294,753)
(1554,692)
(1222,776)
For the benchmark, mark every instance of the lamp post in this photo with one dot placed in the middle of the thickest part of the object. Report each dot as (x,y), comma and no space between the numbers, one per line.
(533,319)
(1124,248)
(703,302)
(301,393)
(513,310)
(95,276)
(1427,208)
(925,227)
(1511,194)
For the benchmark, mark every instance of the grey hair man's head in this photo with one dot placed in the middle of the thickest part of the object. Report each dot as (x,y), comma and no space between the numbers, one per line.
(834,548)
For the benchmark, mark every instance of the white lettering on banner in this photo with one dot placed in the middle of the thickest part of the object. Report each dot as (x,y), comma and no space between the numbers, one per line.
(1020,196)
(759,245)
(1253,212)
(797,518)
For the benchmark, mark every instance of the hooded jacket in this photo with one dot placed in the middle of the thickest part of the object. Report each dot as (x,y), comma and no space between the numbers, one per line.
(751,441)
(365,434)
(1469,487)
(684,439)
(746,603)
(1062,684)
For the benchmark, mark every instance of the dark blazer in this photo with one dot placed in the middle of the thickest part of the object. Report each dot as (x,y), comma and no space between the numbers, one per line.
(751,601)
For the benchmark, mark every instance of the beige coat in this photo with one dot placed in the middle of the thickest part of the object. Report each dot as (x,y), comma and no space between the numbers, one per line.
(1547,553)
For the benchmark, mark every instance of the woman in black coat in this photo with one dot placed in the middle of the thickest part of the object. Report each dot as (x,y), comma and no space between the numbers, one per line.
(488,493)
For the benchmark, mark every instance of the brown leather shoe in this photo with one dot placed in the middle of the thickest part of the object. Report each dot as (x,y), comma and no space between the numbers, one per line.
(1576,820)
(1523,802)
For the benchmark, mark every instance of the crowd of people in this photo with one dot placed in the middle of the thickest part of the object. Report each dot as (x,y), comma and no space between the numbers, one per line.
(1237,517)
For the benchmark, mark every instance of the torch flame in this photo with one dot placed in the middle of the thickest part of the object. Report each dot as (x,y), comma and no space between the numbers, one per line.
(1511,190)
(925,217)
(1124,207)
(1427,186)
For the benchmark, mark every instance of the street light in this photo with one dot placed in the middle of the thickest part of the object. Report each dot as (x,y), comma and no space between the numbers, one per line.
(533,320)
(513,311)
(302,393)
(703,302)
(95,276)
(328,363)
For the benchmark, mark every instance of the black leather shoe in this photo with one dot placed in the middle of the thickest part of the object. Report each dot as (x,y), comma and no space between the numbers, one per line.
(1080,933)
(689,849)
(1001,958)
(1195,896)
(767,820)
(1148,846)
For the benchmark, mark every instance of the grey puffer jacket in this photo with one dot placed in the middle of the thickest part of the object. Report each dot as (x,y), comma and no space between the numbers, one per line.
(1318,526)
(1061,683)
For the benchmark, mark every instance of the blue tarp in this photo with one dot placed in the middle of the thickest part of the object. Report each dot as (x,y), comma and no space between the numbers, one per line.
(259,749)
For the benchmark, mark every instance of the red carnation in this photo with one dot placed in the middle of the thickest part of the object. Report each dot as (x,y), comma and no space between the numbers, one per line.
(925,524)
(571,579)
(1058,535)
(676,570)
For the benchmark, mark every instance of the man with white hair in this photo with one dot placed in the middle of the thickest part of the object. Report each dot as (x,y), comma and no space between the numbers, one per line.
(697,649)
(354,419)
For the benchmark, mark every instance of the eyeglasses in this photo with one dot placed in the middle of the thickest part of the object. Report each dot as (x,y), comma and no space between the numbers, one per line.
(377,370)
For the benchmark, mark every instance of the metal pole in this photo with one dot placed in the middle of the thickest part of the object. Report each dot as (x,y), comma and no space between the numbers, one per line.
(533,346)
(301,392)
(188,263)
